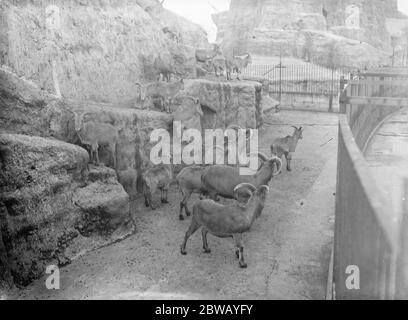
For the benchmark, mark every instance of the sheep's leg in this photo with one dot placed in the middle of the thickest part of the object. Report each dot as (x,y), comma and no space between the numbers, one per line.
(280,156)
(288,161)
(239,250)
(146,200)
(214,196)
(149,200)
(183,204)
(164,191)
(161,195)
(193,228)
(113,148)
(95,148)
(204,232)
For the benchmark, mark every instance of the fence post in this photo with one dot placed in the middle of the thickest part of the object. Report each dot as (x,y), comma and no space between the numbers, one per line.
(343,96)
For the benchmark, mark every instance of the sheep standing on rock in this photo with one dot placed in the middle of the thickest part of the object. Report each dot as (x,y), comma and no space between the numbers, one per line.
(160,94)
(164,68)
(204,55)
(94,134)
(227,220)
(237,64)
(219,63)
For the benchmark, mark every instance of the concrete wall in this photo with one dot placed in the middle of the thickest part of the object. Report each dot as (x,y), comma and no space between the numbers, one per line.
(364,235)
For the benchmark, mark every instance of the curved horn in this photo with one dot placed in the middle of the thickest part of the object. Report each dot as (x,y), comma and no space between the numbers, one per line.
(260,155)
(296,128)
(264,186)
(279,168)
(245,185)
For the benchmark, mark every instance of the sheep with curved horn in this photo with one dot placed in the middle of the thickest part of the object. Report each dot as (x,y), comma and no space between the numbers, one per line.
(222,179)
(286,146)
(227,220)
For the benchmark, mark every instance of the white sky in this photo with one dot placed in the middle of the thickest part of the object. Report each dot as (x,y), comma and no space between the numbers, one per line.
(199,11)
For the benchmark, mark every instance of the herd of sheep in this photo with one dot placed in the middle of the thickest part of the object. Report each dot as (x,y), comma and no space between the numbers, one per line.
(209,181)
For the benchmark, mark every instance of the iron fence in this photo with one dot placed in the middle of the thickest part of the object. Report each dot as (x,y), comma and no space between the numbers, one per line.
(301,79)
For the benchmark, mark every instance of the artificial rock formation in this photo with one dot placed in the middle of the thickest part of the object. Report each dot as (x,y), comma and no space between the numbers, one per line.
(43,220)
(93,50)
(52,207)
(307,29)
(227,102)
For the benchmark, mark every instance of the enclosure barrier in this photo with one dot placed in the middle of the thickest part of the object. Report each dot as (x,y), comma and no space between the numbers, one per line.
(367,239)
(300,79)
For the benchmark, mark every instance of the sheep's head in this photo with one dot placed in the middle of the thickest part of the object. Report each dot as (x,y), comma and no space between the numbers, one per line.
(261,192)
(78,120)
(249,58)
(189,108)
(269,163)
(188,113)
(243,192)
(298,132)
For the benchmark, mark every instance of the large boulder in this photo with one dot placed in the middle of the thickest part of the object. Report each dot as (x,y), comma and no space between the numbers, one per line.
(43,219)
(104,206)
(227,102)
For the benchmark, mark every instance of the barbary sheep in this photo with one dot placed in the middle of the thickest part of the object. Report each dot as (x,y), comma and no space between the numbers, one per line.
(189,182)
(95,134)
(174,36)
(156,178)
(237,64)
(164,68)
(221,180)
(219,64)
(188,112)
(163,92)
(203,55)
(287,146)
(227,220)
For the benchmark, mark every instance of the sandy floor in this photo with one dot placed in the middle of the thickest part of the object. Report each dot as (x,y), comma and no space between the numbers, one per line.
(287,250)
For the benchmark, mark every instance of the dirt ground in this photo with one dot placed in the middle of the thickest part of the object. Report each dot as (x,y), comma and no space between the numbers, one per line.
(287,250)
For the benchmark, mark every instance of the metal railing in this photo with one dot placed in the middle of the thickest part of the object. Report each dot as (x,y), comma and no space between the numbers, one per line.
(300,79)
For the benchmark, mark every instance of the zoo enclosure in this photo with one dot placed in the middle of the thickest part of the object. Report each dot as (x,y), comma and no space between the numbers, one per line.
(367,234)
